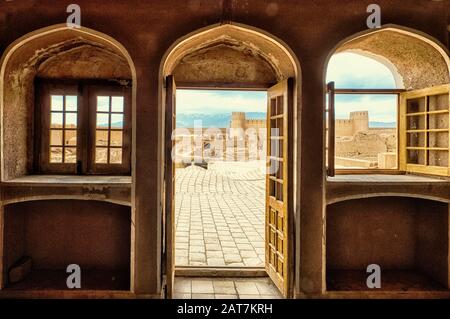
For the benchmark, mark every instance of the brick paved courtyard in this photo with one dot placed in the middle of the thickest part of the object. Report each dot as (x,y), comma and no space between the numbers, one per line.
(219,215)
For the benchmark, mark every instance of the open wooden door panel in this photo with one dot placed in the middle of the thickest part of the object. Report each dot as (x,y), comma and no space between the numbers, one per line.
(169,180)
(278,185)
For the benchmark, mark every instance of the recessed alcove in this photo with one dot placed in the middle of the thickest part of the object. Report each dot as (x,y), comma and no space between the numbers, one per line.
(407,237)
(56,233)
(59,55)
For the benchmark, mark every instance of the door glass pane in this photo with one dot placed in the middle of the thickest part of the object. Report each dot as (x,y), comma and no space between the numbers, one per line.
(101,138)
(56,154)
(71,103)
(56,103)
(115,156)
(70,155)
(116,138)
(56,137)
(56,120)
(117,104)
(71,120)
(101,155)
(102,103)
(116,121)
(102,120)
(70,137)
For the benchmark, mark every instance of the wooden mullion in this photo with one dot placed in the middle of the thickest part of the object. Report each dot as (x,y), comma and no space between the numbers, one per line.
(109,132)
(448,137)
(427,135)
(63,130)
(331,129)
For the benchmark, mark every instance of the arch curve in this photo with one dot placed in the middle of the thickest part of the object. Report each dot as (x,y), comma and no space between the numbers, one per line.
(247,41)
(416,59)
(65,197)
(386,194)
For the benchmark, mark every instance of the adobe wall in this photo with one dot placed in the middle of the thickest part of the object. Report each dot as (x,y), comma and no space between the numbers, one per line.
(311,28)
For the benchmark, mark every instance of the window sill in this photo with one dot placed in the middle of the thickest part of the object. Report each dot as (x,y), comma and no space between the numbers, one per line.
(384,178)
(70,180)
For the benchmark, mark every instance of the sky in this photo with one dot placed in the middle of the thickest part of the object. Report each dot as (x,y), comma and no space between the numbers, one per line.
(351,71)
(348,70)
(220,101)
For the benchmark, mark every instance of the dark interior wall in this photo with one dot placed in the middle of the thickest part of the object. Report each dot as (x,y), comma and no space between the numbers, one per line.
(58,233)
(432,232)
(395,233)
(311,28)
(371,231)
(14,244)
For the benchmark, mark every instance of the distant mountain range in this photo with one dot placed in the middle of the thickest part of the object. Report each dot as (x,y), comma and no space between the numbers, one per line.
(382,124)
(221,120)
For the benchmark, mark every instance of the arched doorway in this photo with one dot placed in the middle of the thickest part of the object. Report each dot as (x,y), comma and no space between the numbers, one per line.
(238,57)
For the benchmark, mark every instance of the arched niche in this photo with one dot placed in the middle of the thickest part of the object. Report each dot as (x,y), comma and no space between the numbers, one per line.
(55,233)
(56,52)
(415,59)
(406,236)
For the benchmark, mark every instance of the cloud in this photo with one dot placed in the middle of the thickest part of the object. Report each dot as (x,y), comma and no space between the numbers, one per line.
(218,102)
(351,70)
(382,108)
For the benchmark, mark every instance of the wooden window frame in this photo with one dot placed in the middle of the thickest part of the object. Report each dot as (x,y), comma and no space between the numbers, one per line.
(87,91)
(330,149)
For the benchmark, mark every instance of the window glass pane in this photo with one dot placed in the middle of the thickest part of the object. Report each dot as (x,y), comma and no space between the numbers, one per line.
(70,155)
(102,120)
(71,120)
(101,155)
(116,138)
(101,138)
(116,121)
(56,154)
(71,137)
(56,137)
(56,120)
(71,103)
(117,104)
(102,103)
(115,156)
(56,103)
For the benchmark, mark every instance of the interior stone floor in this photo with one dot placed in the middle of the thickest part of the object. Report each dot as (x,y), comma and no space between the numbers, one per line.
(225,288)
(219,215)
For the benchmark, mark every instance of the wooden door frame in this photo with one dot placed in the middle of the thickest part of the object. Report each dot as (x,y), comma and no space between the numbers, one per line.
(292,235)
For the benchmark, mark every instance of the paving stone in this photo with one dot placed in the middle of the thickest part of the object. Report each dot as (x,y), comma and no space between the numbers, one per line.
(202,287)
(249,254)
(177,295)
(203,296)
(232,258)
(219,296)
(197,257)
(246,288)
(220,208)
(213,247)
(218,262)
(183,286)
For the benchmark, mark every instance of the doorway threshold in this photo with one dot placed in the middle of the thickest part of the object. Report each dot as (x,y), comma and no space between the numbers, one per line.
(202,271)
